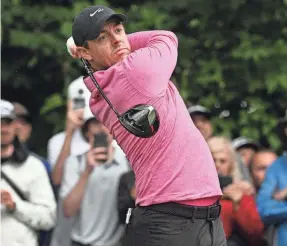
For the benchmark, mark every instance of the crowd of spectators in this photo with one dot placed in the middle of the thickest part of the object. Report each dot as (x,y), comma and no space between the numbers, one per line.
(65,199)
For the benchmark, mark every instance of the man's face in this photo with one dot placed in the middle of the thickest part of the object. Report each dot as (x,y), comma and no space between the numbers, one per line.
(203,124)
(222,162)
(261,161)
(95,127)
(23,129)
(109,48)
(7,132)
(246,154)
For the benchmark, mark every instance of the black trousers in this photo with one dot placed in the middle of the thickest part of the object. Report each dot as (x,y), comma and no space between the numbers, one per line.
(151,228)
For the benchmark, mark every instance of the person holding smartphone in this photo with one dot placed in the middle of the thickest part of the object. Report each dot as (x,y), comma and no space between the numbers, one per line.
(89,190)
(177,188)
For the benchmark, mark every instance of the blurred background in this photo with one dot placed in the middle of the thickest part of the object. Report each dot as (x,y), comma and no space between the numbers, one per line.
(232,59)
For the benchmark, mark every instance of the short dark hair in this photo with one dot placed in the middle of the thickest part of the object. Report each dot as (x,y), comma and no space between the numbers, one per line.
(85,127)
(260,151)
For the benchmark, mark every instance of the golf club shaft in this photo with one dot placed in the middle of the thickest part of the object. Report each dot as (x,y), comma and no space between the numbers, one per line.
(90,73)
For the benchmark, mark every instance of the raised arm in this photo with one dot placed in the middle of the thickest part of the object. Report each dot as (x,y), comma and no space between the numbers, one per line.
(152,61)
(73,185)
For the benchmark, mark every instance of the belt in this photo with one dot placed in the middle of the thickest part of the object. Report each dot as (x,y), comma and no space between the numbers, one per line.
(193,212)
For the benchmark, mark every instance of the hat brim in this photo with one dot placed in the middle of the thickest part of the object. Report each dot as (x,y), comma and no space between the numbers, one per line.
(248,145)
(120,17)
(8,117)
(206,114)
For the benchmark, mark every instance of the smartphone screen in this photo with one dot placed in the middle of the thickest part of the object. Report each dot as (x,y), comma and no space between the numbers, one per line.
(101,140)
(79,103)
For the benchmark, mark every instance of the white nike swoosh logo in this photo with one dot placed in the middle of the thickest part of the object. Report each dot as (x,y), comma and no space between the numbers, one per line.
(97,11)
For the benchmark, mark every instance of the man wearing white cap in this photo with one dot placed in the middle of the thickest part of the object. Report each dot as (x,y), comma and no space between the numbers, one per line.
(27,200)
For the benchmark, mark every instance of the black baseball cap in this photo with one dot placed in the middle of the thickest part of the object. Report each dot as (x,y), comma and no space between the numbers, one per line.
(88,24)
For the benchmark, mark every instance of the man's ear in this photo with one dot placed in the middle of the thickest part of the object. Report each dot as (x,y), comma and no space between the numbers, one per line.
(84,53)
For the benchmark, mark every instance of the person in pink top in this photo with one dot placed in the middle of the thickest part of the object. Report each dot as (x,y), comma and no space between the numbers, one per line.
(177,187)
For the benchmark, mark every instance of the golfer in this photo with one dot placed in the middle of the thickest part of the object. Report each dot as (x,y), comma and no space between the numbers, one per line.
(177,188)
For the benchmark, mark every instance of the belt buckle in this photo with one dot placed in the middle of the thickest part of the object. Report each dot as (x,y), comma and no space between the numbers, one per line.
(208,218)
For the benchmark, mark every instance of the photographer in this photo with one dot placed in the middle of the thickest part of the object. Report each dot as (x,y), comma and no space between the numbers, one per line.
(89,190)
(61,145)
(27,200)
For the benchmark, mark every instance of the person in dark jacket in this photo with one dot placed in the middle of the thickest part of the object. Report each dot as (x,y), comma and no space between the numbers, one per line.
(126,195)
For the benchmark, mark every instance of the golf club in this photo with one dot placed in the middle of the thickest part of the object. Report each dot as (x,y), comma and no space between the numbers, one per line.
(142,120)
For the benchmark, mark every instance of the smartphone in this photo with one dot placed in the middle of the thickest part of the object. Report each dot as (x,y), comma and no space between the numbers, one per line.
(79,103)
(101,140)
(79,99)
(224,181)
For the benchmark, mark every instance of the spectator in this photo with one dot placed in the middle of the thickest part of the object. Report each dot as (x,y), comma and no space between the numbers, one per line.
(27,201)
(89,191)
(241,221)
(272,196)
(224,157)
(201,119)
(246,148)
(245,215)
(126,195)
(61,146)
(261,160)
(71,142)
(23,124)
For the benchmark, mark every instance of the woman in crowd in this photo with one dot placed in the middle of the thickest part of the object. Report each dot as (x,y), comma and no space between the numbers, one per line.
(241,221)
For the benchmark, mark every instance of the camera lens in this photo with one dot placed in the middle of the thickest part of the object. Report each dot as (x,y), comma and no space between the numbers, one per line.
(81,91)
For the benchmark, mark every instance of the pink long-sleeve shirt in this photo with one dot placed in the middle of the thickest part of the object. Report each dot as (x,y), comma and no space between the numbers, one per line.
(175,165)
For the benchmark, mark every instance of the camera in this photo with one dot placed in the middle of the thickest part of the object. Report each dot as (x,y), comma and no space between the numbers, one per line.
(79,101)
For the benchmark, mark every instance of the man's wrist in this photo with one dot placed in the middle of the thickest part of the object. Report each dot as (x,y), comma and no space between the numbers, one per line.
(70,131)
(11,207)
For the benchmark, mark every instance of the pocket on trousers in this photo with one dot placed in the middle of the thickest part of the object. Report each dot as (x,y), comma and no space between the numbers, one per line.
(160,223)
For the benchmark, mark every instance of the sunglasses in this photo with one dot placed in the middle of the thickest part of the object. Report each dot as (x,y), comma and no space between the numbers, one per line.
(6,121)
(25,118)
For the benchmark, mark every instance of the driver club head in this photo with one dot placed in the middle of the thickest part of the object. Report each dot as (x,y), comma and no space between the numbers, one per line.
(141,120)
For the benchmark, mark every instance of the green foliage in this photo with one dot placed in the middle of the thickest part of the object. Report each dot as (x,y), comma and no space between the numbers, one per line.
(232,57)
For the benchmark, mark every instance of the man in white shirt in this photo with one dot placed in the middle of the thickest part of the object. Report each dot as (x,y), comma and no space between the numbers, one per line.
(89,191)
(71,142)
(27,200)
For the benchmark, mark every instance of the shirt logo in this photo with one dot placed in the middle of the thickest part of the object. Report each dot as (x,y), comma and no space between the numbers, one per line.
(97,11)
